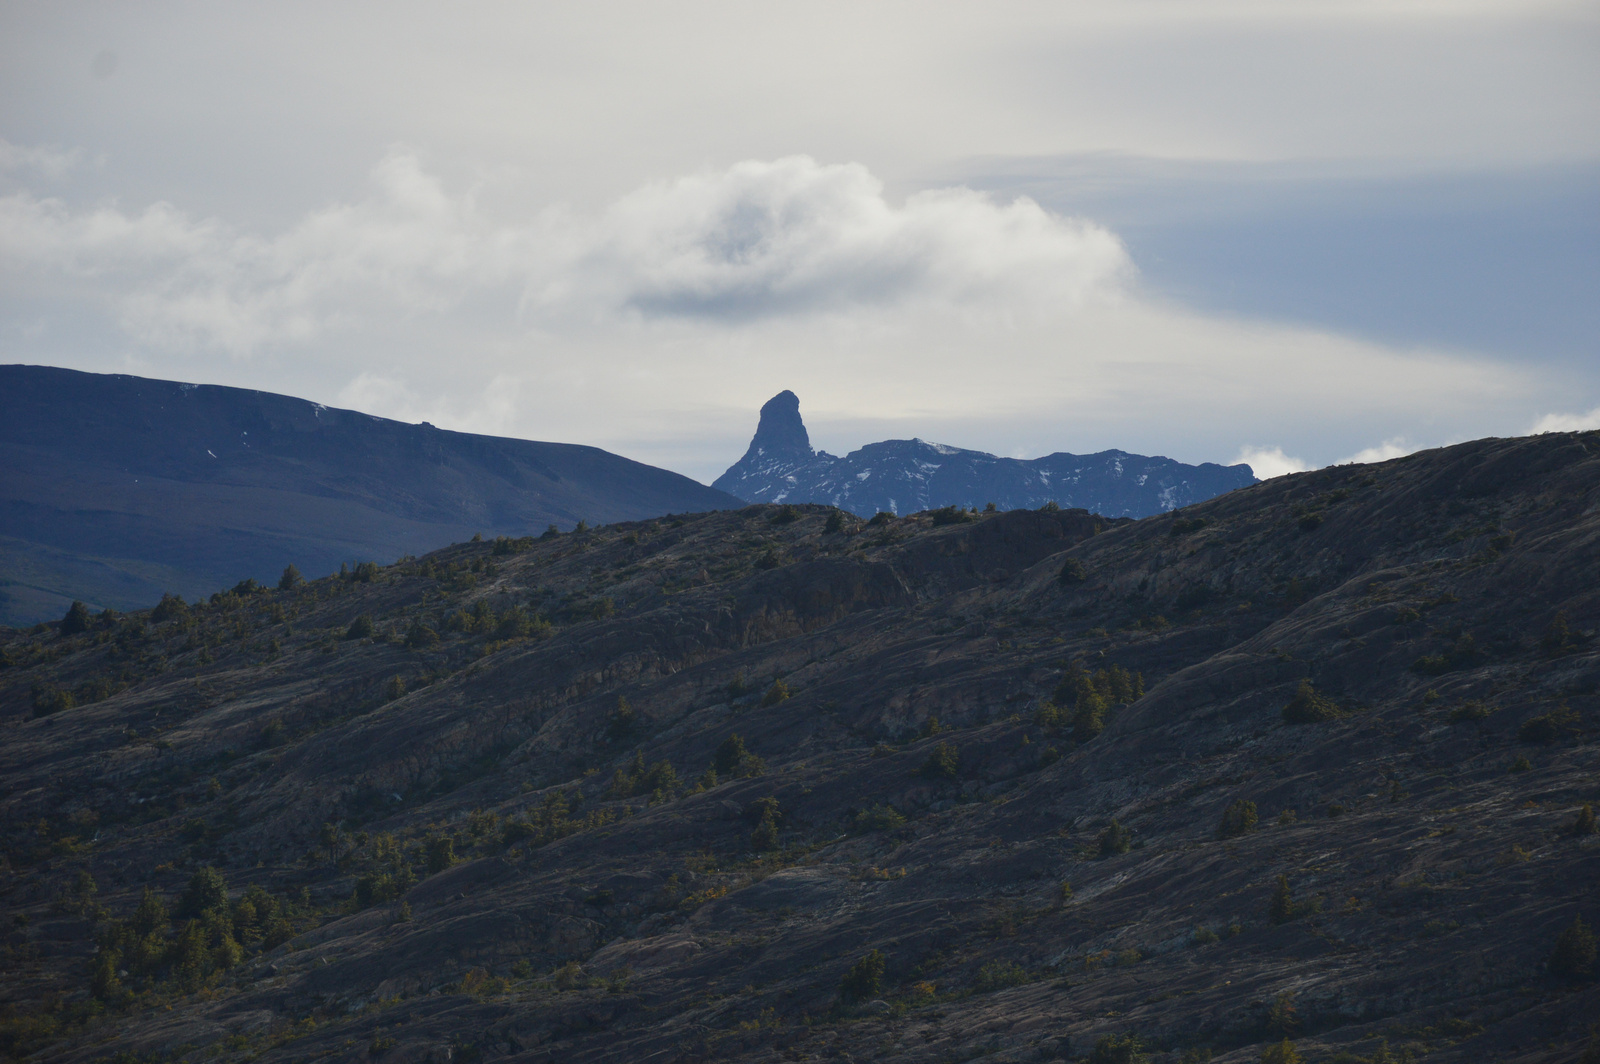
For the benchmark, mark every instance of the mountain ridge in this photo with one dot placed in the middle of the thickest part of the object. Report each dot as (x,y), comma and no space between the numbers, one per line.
(905,476)
(119,488)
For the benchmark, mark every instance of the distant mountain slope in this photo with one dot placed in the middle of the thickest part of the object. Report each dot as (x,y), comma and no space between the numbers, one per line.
(904,476)
(116,488)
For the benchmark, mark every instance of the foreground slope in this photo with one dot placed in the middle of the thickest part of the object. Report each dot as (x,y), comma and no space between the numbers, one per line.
(902,476)
(117,488)
(462,809)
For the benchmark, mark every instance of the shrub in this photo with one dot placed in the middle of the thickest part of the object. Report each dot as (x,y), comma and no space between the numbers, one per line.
(881,817)
(1548,727)
(48,699)
(1574,953)
(360,628)
(441,853)
(1469,711)
(1583,823)
(420,636)
(76,620)
(1089,718)
(879,519)
(765,836)
(623,720)
(1238,819)
(1521,764)
(1118,1049)
(170,608)
(1309,707)
(1557,636)
(786,515)
(290,579)
(944,762)
(1282,1053)
(998,975)
(778,692)
(1184,525)
(1072,572)
(730,755)
(1114,839)
(864,979)
(1281,909)
(834,523)
(952,515)
(207,890)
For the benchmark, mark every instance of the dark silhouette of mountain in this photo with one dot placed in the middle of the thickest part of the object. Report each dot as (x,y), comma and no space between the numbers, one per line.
(905,476)
(118,488)
(1313,759)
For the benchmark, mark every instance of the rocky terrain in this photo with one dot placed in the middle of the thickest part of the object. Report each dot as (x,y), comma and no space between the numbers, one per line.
(117,488)
(1303,772)
(905,476)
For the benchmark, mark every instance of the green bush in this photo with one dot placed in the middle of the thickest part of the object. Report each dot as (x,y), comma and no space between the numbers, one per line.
(834,524)
(1549,727)
(1114,839)
(1118,1049)
(864,979)
(170,608)
(207,890)
(998,975)
(1583,823)
(76,620)
(952,515)
(360,628)
(943,763)
(441,853)
(1282,908)
(880,817)
(290,579)
(1574,952)
(48,699)
(1072,572)
(879,519)
(729,756)
(786,515)
(1282,1053)
(1309,707)
(778,692)
(1238,819)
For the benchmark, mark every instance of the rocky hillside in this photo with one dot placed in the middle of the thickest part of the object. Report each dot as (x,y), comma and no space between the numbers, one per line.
(1303,772)
(905,476)
(118,488)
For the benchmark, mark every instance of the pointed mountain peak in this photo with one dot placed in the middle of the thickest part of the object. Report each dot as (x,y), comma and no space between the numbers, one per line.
(781,432)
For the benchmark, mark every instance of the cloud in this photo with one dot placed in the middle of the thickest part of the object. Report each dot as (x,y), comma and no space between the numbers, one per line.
(757,240)
(1395,448)
(1269,462)
(1567,422)
(793,236)
(47,160)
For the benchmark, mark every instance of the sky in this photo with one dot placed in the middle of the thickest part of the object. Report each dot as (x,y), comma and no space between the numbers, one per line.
(1289,234)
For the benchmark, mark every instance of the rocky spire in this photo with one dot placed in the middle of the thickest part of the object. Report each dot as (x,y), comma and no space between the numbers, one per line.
(780,445)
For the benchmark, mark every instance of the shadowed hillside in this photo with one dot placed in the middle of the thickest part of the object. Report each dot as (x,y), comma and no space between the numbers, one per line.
(1311,761)
(118,488)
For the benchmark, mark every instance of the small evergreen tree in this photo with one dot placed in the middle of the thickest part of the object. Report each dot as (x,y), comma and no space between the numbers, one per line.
(1309,707)
(864,979)
(1118,1049)
(729,756)
(1072,572)
(1115,839)
(834,524)
(778,692)
(441,853)
(360,628)
(76,620)
(1574,953)
(1281,909)
(943,763)
(207,890)
(1583,823)
(290,579)
(1282,1053)
(1238,819)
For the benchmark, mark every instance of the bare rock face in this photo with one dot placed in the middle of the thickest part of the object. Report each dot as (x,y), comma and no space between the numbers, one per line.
(903,476)
(1308,760)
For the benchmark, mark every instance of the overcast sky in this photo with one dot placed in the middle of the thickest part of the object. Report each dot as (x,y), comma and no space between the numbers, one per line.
(1293,233)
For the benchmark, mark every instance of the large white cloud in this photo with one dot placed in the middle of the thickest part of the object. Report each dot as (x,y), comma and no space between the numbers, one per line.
(757,240)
